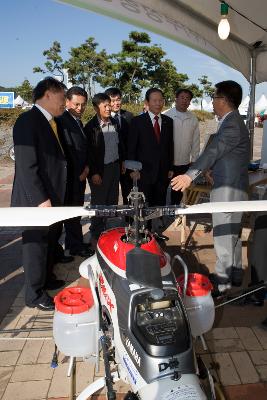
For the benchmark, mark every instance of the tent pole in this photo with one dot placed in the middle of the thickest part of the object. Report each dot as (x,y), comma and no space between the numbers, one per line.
(251,110)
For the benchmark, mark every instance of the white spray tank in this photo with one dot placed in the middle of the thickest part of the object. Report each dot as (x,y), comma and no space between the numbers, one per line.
(199,304)
(75,324)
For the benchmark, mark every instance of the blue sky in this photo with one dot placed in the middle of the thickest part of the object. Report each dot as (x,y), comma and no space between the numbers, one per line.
(28,27)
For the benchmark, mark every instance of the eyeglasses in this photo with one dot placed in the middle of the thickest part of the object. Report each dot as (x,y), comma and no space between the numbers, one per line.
(217,97)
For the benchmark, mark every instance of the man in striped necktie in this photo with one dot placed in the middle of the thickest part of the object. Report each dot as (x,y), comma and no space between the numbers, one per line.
(40,181)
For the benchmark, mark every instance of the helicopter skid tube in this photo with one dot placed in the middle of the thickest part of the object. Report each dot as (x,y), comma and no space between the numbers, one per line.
(95,386)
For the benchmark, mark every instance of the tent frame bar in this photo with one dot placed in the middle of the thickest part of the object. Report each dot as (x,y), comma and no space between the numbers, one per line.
(251,108)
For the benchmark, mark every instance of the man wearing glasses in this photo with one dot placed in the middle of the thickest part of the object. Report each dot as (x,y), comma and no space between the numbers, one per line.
(225,163)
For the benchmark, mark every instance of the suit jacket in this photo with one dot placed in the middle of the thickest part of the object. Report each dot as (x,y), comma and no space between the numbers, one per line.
(156,158)
(77,154)
(96,145)
(228,156)
(40,166)
(126,115)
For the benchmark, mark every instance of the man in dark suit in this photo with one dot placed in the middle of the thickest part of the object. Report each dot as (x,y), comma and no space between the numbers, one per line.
(150,141)
(71,127)
(225,161)
(123,118)
(40,181)
(106,156)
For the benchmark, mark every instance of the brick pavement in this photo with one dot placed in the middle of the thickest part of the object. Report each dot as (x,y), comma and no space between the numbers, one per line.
(237,353)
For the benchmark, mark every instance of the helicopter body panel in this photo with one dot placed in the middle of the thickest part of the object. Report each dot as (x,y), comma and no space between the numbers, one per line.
(113,247)
(151,337)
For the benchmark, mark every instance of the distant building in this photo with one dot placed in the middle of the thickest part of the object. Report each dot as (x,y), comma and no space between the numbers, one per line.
(64,77)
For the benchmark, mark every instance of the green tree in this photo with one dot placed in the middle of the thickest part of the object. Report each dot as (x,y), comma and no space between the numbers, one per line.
(207,88)
(128,68)
(195,89)
(85,65)
(140,65)
(168,79)
(54,63)
(25,90)
(132,68)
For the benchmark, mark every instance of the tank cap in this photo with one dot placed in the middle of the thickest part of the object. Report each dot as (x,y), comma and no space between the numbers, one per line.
(197,285)
(156,294)
(74,300)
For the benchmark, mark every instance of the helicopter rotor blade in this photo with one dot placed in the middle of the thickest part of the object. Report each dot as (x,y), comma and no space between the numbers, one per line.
(217,207)
(40,216)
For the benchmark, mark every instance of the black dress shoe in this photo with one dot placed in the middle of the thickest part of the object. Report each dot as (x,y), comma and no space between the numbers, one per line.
(64,259)
(220,284)
(54,284)
(47,304)
(86,246)
(85,252)
(160,237)
(264,323)
(237,276)
(218,280)
(253,299)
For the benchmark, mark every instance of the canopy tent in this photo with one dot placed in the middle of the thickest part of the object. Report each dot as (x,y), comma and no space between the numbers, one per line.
(243,108)
(194,23)
(194,106)
(261,104)
(19,101)
(209,107)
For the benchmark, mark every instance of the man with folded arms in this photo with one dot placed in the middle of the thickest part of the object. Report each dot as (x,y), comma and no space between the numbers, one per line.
(106,158)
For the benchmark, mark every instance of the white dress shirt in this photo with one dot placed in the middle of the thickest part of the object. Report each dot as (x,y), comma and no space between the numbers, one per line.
(47,115)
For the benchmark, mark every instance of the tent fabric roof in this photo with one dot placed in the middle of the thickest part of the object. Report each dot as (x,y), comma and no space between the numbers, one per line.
(194,23)
(19,101)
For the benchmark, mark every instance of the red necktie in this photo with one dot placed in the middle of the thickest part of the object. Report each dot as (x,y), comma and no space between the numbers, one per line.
(157,127)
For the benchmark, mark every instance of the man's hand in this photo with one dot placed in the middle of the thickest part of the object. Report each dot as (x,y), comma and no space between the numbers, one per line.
(181,182)
(170,174)
(209,177)
(135,175)
(46,203)
(96,179)
(84,174)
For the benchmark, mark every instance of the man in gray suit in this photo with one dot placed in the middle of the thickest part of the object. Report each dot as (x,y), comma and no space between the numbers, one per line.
(225,163)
